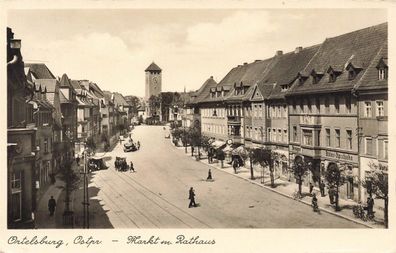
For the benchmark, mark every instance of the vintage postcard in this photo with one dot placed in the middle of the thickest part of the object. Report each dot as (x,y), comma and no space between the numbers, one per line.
(213,127)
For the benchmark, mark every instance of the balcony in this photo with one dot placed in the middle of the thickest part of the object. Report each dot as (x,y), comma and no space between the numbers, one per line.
(234,120)
(310,120)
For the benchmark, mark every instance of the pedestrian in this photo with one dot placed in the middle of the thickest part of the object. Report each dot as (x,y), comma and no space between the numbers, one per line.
(322,188)
(370,206)
(131,168)
(311,186)
(192,150)
(331,195)
(51,205)
(78,160)
(209,175)
(138,145)
(314,203)
(235,165)
(191,197)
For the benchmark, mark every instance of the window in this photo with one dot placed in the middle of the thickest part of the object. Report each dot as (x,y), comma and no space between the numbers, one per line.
(285,137)
(369,146)
(307,137)
(349,139)
(269,134)
(309,106)
(380,108)
(280,138)
(274,135)
(328,137)
(295,133)
(294,106)
(351,74)
(382,73)
(16,181)
(386,149)
(337,104)
(332,78)
(367,109)
(46,145)
(318,138)
(284,111)
(337,138)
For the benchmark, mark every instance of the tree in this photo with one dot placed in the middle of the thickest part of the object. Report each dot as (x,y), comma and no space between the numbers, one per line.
(266,158)
(335,178)
(134,102)
(154,103)
(71,179)
(195,138)
(220,155)
(300,168)
(205,143)
(91,144)
(377,183)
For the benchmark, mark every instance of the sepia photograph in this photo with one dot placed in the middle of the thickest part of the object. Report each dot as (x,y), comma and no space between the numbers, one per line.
(197,119)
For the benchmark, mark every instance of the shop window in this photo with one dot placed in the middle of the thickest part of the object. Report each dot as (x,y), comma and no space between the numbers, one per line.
(337,104)
(307,137)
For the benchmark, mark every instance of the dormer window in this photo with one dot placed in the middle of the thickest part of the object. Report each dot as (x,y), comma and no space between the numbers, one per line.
(284,88)
(351,74)
(332,77)
(382,69)
(316,76)
(352,71)
(214,113)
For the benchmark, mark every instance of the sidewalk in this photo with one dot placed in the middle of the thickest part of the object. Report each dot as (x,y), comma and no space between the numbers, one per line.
(287,189)
(42,217)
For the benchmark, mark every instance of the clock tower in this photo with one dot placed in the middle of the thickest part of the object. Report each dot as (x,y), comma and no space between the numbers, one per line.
(153,81)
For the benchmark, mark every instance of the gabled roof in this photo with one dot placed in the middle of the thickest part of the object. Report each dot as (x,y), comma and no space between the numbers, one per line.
(65,81)
(76,84)
(49,84)
(119,99)
(370,78)
(203,92)
(358,47)
(153,67)
(39,71)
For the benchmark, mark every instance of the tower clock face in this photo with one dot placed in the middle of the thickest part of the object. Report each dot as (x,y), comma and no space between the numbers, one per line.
(155,80)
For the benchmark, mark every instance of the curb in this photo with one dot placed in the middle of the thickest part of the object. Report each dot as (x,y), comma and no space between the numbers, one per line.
(288,196)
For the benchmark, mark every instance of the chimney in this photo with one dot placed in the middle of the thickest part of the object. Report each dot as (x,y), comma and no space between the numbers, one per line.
(257,60)
(279,52)
(298,50)
(245,63)
(211,77)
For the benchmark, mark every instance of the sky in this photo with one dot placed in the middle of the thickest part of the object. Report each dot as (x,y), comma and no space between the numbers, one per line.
(113,47)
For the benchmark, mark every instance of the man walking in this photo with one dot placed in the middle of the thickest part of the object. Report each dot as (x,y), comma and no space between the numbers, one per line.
(51,205)
(209,175)
(322,188)
(235,166)
(370,206)
(78,160)
(131,168)
(191,197)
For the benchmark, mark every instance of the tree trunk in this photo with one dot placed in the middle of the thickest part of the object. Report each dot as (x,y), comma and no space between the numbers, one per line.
(337,208)
(300,185)
(199,152)
(272,177)
(386,211)
(251,170)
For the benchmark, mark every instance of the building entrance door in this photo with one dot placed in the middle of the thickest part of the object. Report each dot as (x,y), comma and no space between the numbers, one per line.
(350,188)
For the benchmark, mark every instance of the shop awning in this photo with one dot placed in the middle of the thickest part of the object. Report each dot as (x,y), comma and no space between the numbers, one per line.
(218,144)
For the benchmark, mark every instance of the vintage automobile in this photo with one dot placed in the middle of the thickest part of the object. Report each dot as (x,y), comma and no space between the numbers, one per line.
(129,146)
(121,164)
(95,163)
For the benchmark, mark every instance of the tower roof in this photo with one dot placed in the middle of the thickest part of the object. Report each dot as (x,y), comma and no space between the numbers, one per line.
(153,67)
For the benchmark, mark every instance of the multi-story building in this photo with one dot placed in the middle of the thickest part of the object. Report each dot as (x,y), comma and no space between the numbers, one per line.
(211,108)
(21,139)
(372,101)
(122,109)
(323,114)
(282,74)
(40,74)
(43,120)
(69,103)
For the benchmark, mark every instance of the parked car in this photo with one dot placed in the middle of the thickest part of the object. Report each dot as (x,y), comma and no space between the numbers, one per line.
(96,164)
(129,146)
